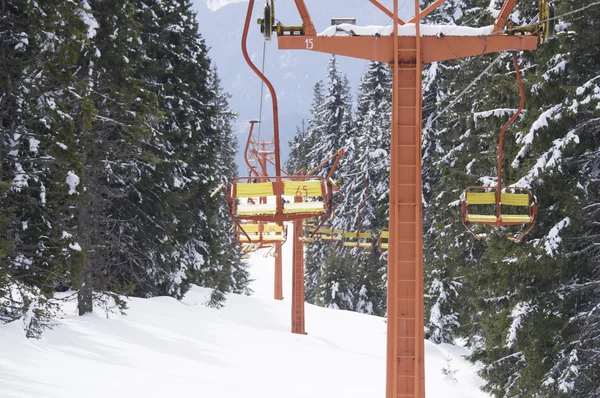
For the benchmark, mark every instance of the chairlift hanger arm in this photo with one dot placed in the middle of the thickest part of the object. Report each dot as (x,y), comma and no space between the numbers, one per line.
(251,168)
(337,157)
(262,155)
(510,121)
(300,172)
(267,83)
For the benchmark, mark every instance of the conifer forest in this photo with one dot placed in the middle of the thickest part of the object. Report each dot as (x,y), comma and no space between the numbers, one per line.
(115,129)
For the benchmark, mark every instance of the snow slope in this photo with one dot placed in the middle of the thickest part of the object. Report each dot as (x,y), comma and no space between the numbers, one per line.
(164,347)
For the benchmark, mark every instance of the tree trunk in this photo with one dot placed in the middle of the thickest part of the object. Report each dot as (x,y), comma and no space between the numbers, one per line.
(85,221)
(6,74)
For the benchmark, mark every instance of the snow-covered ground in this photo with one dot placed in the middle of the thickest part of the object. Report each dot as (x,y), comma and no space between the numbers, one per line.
(165,348)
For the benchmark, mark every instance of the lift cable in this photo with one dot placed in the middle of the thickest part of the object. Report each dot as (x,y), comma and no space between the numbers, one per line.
(262,88)
(432,119)
(556,17)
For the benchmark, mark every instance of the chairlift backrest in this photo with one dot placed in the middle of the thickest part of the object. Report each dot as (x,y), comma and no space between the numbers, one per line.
(253,190)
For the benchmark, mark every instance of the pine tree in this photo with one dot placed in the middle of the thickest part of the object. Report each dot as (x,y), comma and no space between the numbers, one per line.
(329,130)
(113,128)
(335,283)
(40,46)
(526,314)
(367,164)
(232,274)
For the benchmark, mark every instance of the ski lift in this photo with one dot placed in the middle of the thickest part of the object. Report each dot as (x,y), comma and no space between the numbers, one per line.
(499,205)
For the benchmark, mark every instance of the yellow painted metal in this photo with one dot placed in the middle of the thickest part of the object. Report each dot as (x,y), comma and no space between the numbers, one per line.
(303,208)
(355,244)
(272,238)
(357,235)
(271,227)
(481,198)
(253,237)
(514,199)
(250,228)
(252,190)
(480,218)
(303,188)
(524,218)
(256,210)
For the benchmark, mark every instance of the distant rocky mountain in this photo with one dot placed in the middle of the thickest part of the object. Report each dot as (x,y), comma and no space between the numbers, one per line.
(293,73)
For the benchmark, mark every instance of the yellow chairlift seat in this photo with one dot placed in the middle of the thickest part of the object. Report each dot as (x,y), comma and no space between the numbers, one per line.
(513,209)
(311,222)
(326,233)
(254,190)
(358,239)
(272,238)
(260,233)
(481,218)
(303,189)
(384,236)
(256,209)
(304,208)
(250,228)
(312,203)
(338,234)
(272,228)
(253,237)
(506,199)
(521,219)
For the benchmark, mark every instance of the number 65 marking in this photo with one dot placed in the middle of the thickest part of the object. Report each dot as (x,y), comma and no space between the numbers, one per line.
(309,44)
(300,189)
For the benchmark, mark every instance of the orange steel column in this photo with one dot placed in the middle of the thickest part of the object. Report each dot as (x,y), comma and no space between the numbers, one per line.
(298,278)
(278,292)
(405,337)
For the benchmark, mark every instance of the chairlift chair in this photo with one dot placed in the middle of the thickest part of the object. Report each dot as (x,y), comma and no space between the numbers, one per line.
(499,205)
(358,239)
(261,233)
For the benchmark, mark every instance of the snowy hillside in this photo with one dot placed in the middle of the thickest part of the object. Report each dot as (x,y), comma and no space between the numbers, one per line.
(168,348)
(293,73)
